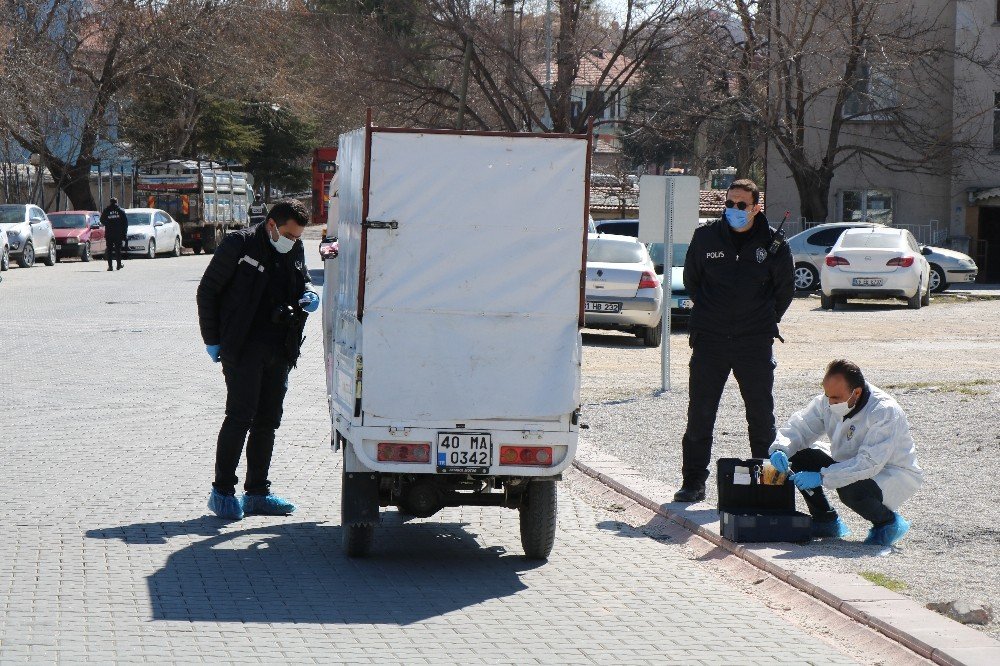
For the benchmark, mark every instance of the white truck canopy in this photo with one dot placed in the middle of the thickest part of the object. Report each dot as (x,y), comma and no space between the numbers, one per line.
(460,283)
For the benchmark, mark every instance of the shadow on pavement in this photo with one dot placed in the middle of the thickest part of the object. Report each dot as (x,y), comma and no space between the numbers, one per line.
(297,572)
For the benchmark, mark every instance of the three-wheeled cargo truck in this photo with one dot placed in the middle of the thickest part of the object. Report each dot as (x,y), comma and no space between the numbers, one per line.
(453,318)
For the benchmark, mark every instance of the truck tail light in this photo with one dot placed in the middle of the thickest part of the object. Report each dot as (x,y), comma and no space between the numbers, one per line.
(904,262)
(834,260)
(526,455)
(404,452)
(648,281)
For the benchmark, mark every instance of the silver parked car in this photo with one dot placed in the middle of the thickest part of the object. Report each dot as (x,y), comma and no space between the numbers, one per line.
(29,234)
(152,231)
(4,252)
(623,290)
(809,250)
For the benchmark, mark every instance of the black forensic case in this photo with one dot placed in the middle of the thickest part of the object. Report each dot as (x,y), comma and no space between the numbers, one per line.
(753,512)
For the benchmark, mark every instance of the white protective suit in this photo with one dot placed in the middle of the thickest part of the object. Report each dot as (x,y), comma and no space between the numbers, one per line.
(873,443)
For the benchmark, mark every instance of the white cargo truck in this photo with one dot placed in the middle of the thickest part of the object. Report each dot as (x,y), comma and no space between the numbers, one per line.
(453,346)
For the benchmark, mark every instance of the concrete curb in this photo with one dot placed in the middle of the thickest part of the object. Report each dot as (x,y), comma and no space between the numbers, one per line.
(876,608)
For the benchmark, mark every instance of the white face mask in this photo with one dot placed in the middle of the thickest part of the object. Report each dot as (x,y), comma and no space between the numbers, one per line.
(282,244)
(842,409)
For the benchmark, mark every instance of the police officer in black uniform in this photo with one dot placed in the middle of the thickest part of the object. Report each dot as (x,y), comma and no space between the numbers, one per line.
(252,305)
(257,212)
(738,271)
(115,223)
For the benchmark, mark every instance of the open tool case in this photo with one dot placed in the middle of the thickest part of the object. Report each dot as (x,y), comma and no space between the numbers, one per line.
(751,511)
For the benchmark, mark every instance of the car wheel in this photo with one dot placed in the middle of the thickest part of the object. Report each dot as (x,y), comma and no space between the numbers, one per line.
(4,259)
(926,300)
(806,277)
(27,258)
(85,252)
(652,336)
(151,250)
(826,302)
(50,258)
(917,300)
(937,279)
(177,247)
(196,247)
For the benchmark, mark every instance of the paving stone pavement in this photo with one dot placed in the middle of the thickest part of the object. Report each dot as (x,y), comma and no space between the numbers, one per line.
(109,408)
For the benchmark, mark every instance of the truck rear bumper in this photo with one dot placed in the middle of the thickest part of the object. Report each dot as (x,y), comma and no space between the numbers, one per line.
(364,443)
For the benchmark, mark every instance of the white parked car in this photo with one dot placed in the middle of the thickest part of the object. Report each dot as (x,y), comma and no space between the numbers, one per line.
(152,231)
(875,263)
(29,234)
(810,247)
(623,290)
(4,252)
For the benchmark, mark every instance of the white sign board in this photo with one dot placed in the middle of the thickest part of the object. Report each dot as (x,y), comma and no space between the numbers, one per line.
(653,211)
(668,214)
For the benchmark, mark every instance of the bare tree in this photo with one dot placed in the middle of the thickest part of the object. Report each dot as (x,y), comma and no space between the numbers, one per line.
(414,75)
(71,68)
(849,83)
(691,106)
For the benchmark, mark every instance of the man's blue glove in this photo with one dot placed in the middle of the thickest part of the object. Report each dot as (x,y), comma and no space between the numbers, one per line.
(780,461)
(213,351)
(807,480)
(309,301)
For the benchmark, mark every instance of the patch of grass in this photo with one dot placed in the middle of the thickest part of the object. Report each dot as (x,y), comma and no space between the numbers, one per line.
(965,388)
(884,581)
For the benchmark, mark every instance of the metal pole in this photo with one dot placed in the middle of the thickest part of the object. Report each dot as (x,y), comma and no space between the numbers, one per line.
(668,264)
(548,47)
(463,90)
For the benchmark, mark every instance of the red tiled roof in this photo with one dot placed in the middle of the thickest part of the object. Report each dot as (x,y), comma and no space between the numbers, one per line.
(711,203)
(592,63)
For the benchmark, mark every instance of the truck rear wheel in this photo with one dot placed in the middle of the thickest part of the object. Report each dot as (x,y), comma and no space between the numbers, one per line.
(209,244)
(538,519)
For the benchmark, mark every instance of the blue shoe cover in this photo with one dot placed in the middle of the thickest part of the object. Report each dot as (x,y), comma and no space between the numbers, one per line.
(225,506)
(267,505)
(889,534)
(830,528)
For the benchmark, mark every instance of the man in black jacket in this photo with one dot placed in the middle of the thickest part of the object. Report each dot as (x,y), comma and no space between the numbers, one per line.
(739,274)
(252,304)
(115,232)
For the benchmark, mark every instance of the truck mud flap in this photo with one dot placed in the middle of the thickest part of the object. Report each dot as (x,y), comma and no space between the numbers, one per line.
(359,499)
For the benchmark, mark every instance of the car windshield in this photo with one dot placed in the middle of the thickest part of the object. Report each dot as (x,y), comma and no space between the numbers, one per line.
(656,253)
(138,219)
(68,221)
(614,252)
(11,214)
(870,239)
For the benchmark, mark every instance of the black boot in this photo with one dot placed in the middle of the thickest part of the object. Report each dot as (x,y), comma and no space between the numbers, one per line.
(110,269)
(690,492)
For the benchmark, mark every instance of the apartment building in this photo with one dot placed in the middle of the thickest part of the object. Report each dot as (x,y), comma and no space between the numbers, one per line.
(958,207)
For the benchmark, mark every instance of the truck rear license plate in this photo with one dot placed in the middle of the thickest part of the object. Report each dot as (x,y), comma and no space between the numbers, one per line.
(867,282)
(464,452)
(600,306)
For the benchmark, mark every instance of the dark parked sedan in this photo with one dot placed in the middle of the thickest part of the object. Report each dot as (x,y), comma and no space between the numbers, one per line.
(78,234)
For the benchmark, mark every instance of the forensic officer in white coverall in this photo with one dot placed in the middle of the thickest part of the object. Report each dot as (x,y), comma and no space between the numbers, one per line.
(870,461)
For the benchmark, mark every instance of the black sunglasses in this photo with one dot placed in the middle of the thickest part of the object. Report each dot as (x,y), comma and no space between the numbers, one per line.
(741,205)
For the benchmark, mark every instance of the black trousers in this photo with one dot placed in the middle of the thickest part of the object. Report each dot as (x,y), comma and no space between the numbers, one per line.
(751,360)
(116,250)
(863,497)
(256,387)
